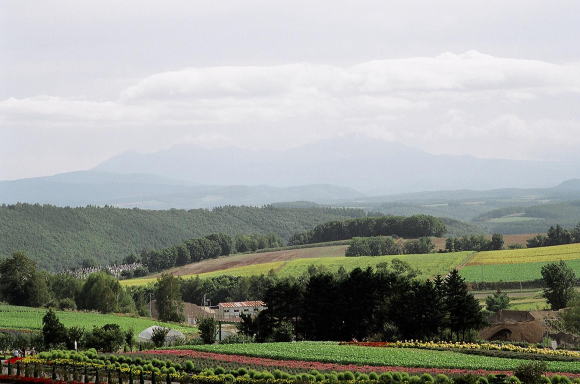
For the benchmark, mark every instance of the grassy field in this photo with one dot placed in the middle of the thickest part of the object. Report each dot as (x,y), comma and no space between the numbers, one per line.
(429,265)
(402,357)
(15,317)
(528,255)
(509,272)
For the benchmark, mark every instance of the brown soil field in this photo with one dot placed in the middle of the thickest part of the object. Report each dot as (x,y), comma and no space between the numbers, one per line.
(241,260)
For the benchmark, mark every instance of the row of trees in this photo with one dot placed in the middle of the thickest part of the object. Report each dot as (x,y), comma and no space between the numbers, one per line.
(386,245)
(202,248)
(381,304)
(474,243)
(408,227)
(557,235)
(21,283)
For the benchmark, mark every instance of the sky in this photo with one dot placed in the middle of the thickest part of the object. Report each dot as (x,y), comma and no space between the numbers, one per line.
(82,81)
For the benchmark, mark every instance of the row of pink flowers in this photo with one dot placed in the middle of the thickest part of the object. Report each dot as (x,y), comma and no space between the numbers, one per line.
(307,365)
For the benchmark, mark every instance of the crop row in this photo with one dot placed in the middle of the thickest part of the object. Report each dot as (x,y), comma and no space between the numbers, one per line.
(400,357)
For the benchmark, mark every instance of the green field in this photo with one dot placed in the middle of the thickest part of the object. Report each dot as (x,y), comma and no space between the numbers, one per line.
(509,272)
(403,357)
(15,317)
(428,264)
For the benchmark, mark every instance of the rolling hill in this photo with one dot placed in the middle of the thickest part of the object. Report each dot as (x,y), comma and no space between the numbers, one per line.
(60,238)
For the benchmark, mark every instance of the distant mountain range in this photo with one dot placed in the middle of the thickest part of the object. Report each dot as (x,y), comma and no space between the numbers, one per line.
(351,171)
(154,192)
(373,167)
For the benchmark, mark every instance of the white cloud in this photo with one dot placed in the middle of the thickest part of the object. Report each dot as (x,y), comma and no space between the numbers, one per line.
(450,103)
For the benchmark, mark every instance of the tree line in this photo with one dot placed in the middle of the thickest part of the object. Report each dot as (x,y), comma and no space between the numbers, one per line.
(386,245)
(377,304)
(408,227)
(474,243)
(556,235)
(22,283)
(207,247)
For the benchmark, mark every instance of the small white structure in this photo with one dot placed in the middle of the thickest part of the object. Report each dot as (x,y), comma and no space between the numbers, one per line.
(234,310)
(172,335)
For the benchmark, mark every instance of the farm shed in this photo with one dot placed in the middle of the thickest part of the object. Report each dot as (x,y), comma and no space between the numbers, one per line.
(233,310)
(528,326)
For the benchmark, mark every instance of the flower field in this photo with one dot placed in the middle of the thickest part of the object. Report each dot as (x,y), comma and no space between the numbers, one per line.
(328,352)
(15,317)
(470,346)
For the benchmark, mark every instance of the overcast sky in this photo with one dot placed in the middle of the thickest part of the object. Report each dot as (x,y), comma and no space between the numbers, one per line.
(81,81)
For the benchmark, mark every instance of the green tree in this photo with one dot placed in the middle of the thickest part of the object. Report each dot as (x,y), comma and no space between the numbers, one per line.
(108,338)
(497,241)
(158,336)
(560,280)
(102,292)
(168,298)
(208,330)
(498,301)
(53,331)
(463,310)
(571,317)
(21,283)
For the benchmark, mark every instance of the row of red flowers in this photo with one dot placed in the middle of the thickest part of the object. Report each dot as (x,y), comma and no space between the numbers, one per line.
(307,365)
(34,380)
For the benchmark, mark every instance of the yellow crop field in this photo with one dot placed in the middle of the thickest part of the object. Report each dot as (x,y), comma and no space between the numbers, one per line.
(527,255)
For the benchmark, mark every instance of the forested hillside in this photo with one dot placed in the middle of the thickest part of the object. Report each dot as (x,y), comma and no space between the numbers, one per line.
(65,237)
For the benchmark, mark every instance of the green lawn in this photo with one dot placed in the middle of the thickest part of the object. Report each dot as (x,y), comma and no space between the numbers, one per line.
(403,357)
(509,272)
(15,317)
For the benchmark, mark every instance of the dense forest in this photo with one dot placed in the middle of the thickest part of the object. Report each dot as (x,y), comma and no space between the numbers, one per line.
(408,227)
(58,238)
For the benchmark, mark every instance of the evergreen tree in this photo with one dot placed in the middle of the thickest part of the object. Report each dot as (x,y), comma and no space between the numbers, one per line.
(498,301)
(53,331)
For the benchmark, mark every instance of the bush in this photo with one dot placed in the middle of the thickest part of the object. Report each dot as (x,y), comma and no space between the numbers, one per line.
(208,330)
(531,373)
(466,379)
(237,339)
(159,335)
(442,379)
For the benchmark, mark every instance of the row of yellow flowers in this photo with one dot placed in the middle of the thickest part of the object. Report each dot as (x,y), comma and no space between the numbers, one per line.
(482,346)
(76,363)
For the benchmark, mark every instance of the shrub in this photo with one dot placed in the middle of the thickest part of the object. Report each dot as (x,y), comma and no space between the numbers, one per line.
(208,330)
(466,379)
(386,378)
(513,380)
(426,378)
(531,373)
(442,379)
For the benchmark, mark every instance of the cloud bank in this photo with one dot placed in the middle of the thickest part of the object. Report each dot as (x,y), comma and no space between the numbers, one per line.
(467,103)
